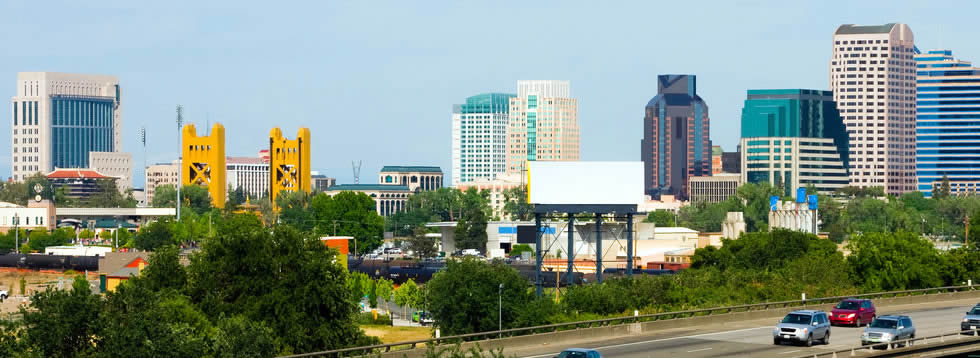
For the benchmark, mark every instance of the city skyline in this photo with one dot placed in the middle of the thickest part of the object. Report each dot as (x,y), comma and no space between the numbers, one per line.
(327,67)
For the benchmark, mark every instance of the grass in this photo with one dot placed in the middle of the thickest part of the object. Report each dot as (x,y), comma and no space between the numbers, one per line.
(389,334)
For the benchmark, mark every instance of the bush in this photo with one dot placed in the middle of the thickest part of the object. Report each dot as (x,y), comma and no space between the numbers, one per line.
(368,318)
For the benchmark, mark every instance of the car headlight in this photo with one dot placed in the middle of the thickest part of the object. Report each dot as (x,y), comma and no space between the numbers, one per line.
(965,319)
(805,330)
(850,315)
(886,335)
(865,334)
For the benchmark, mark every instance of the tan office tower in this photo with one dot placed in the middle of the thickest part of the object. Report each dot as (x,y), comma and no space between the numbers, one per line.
(543,124)
(872,75)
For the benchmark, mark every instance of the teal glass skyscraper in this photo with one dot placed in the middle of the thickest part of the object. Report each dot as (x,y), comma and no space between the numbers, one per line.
(947,123)
(794,138)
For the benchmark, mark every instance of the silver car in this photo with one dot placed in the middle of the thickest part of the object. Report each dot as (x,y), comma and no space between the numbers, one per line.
(887,329)
(971,322)
(803,327)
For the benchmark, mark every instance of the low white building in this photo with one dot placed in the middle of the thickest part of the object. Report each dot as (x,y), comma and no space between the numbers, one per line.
(77,250)
(36,215)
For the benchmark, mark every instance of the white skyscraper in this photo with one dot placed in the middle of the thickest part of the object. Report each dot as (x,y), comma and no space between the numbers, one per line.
(58,118)
(872,75)
(480,137)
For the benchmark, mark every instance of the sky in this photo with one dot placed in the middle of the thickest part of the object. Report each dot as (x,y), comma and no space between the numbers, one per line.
(375,81)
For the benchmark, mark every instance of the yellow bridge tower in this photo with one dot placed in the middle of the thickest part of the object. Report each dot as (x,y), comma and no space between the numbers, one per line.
(204,162)
(289,162)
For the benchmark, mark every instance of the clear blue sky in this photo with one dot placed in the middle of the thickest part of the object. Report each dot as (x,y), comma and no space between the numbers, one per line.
(376,80)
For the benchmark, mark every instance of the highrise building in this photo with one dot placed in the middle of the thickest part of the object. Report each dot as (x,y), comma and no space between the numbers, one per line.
(251,174)
(58,118)
(793,138)
(480,137)
(676,143)
(543,124)
(947,123)
(872,75)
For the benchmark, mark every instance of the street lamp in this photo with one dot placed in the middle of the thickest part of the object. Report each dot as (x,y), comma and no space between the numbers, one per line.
(180,148)
(500,307)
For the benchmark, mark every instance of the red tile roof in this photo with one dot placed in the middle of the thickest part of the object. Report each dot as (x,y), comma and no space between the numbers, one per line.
(77,173)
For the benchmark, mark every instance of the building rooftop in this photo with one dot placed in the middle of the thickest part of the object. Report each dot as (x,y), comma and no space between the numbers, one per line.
(403,169)
(61,173)
(244,160)
(673,230)
(851,29)
(125,272)
(367,187)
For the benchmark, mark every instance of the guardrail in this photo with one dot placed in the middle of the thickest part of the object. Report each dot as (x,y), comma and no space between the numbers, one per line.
(912,345)
(354,351)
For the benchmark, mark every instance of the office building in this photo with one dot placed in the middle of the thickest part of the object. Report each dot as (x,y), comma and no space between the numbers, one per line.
(251,174)
(713,189)
(388,199)
(116,164)
(716,159)
(158,175)
(58,118)
(78,183)
(947,123)
(792,138)
(731,162)
(543,124)
(321,182)
(676,143)
(415,178)
(480,137)
(872,75)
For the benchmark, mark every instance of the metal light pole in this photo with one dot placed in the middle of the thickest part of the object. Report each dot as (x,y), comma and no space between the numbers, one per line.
(500,307)
(146,203)
(118,227)
(180,148)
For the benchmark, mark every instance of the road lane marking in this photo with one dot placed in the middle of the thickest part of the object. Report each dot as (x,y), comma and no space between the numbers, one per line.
(789,352)
(699,350)
(660,340)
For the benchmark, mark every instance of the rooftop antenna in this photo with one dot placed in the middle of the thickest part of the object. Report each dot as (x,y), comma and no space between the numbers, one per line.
(357,171)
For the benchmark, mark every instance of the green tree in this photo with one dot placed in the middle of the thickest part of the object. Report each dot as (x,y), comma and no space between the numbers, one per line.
(156,234)
(294,209)
(384,289)
(406,295)
(423,246)
(662,218)
(137,320)
(463,297)
(164,270)
(61,323)
(239,337)
(943,190)
(518,249)
(516,205)
(282,278)
(893,261)
(349,214)
(194,197)
(107,195)
(471,229)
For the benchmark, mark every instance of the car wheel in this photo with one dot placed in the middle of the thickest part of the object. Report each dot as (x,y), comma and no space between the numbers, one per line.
(858,322)
(826,338)
(809,340)
(776,341)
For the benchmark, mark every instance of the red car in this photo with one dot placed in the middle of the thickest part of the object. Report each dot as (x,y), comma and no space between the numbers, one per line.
(853,311)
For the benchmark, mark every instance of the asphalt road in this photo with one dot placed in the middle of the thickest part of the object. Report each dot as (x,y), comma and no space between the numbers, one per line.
(754,338)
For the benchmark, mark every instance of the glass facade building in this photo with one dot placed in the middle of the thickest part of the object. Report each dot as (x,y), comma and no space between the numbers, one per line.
(479,138)
(80,125)
(676,144)
(794,138)
(543,124)
(947,122)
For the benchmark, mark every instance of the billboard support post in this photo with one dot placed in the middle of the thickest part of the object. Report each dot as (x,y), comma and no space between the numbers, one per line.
(598,247)
(571,249)
(537,252)
(629,245)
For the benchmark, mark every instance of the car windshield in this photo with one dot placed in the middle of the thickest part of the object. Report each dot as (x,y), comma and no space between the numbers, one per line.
(884,323)
(797,318)
(975,310)
(572,354)
(848,305)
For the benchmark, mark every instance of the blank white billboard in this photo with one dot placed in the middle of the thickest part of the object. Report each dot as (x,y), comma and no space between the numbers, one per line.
(578,183)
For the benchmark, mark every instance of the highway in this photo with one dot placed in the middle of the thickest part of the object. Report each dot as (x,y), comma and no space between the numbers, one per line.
(754,338)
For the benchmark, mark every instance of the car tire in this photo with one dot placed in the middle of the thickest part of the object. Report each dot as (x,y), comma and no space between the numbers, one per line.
(776,341)
(826,338)
(809,340)
(857,323)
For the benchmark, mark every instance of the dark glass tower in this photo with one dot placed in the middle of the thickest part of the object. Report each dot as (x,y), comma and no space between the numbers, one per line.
(676,144)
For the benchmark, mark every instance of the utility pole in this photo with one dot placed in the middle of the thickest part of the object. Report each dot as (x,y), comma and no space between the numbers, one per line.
(967,236)
(180,149)
(146,203)
(16,234)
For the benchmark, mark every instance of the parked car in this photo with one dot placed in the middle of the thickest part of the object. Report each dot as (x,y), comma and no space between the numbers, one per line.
(579,353)
(803,326)
(971,321)
(422,317)
(853,311)
(887,329)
